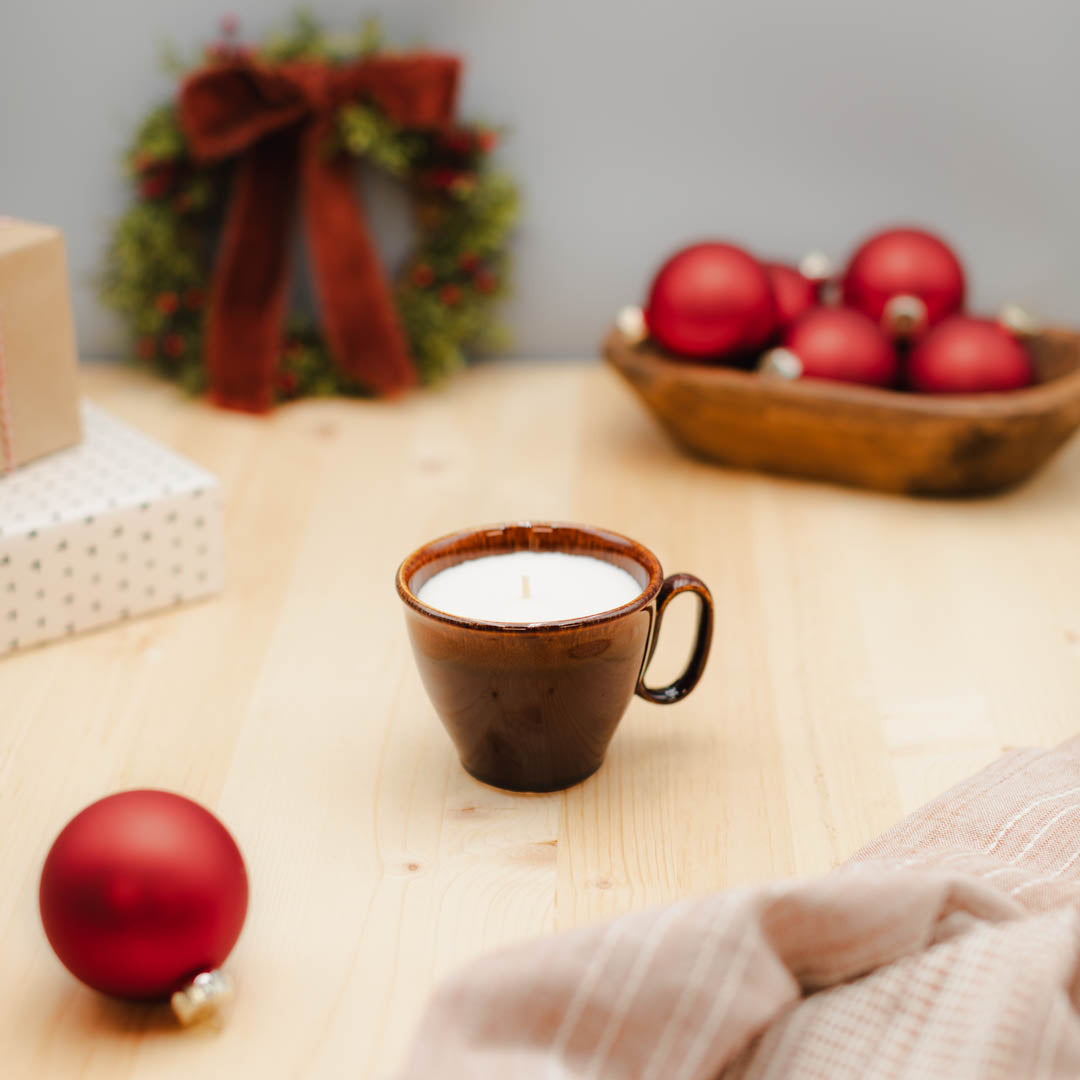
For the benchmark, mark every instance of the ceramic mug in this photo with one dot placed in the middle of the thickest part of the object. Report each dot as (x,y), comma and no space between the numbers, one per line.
(532,707)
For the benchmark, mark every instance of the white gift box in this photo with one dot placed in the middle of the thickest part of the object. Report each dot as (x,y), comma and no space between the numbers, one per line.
(115,527)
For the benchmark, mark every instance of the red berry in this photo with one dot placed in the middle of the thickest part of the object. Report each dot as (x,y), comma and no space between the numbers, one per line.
(155,184)
(193,299)
(141,161)
(146,347)
(166,302)
(487,141)
(463,184)
(442,178)
(485,281)
(174,345)
(469,261)
(287,383)
(450,295)
(422,275)
(458,142)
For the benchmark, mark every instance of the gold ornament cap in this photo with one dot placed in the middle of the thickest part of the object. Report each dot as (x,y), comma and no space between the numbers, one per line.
(904,316)
(205,996)
(1019,321)
(631,323)
(780,363)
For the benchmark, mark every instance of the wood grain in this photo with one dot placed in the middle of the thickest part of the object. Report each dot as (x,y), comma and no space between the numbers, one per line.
(869,651)
(866,436)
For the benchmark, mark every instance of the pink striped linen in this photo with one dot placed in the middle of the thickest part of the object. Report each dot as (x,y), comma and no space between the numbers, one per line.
(949,947)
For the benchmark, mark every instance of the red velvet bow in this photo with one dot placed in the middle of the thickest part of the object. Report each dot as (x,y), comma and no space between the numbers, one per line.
(280,119)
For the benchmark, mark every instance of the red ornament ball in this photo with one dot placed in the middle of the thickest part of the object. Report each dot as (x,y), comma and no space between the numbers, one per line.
(794,293)
(969,356)
(902,263)
(711,301)
(842,344)
(141,892)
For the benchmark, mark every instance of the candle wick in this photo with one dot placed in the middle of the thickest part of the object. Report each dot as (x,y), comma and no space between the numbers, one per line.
(525,587)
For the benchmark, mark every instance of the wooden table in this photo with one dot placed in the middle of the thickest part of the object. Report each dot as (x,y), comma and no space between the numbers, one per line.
(870,651)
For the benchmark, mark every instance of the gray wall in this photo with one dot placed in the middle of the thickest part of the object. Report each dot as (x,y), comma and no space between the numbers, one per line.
(636,127)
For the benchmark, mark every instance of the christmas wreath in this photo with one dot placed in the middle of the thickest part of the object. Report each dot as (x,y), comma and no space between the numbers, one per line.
(199,265)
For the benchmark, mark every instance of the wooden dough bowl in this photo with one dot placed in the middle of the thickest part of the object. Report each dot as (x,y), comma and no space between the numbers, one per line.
(887,440)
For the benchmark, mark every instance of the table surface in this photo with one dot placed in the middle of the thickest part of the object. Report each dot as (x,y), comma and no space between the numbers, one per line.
(870,650)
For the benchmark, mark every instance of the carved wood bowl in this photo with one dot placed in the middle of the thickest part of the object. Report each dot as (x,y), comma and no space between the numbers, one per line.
(887,440)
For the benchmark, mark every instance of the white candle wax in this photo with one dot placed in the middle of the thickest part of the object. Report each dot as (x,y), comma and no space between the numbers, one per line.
(529,587)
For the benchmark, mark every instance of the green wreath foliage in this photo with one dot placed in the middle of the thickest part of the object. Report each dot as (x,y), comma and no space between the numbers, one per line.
(159,258)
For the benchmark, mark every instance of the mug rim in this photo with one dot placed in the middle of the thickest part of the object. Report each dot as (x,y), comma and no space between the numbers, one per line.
(612,542)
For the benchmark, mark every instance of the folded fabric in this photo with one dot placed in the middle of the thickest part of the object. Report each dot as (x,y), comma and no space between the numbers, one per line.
(949,947)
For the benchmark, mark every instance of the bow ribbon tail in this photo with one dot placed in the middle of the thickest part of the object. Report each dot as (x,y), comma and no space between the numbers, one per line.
(356,303)
(249,293)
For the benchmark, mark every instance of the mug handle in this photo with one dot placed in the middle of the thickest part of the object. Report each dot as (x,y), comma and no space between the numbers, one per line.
(676,691)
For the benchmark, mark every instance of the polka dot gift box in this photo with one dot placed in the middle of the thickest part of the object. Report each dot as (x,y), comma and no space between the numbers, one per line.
(113,528)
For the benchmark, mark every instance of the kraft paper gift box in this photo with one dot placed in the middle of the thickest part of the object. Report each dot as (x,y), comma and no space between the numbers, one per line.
(39,393)
(113,528)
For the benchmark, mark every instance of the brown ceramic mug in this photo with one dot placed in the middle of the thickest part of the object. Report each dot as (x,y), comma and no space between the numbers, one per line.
(532,707)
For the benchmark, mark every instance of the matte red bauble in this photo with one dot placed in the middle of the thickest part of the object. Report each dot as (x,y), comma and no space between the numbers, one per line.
(711,301)
(842,344)
(905,278)
(968,356)
(794,294)
(141,892)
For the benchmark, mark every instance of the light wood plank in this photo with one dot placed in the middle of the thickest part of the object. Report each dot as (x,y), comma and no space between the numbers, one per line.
(869,651)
